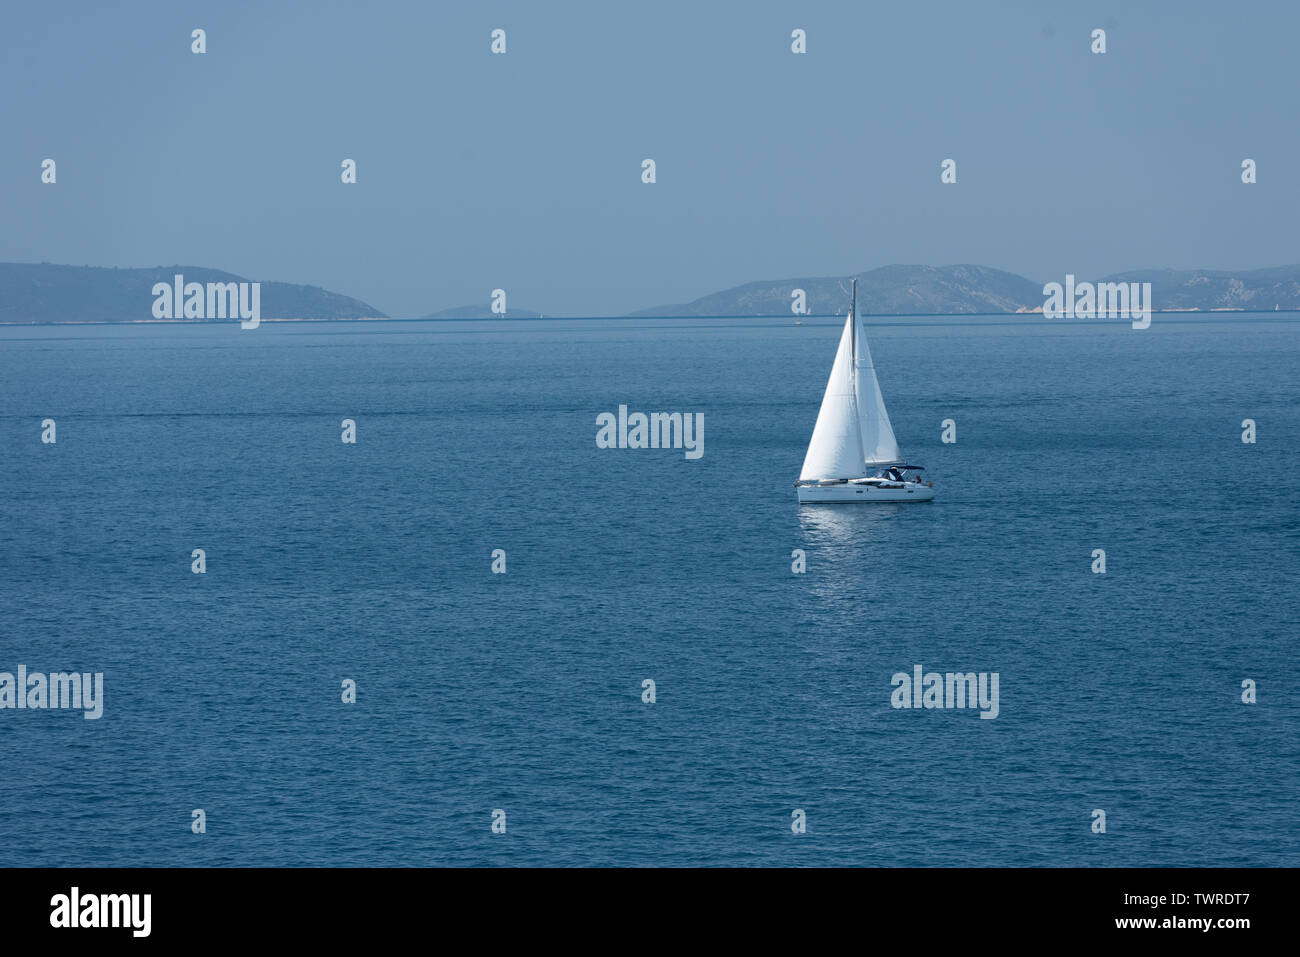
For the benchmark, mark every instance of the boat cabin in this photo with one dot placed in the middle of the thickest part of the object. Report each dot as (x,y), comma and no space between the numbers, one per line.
(893,476)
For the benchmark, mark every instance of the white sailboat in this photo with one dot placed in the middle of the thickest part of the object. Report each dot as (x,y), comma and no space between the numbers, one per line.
(853,455)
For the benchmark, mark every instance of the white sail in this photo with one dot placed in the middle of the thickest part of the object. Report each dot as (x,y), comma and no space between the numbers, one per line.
(878,443)
(835,449)
(852,434)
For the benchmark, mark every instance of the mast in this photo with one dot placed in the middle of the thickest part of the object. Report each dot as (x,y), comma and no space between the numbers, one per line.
(853,370)
(853,320)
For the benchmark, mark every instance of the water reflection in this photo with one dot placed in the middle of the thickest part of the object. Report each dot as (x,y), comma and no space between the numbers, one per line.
(864,525)
(854,548)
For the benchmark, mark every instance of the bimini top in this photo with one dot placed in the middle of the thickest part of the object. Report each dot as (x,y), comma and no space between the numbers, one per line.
(905,468)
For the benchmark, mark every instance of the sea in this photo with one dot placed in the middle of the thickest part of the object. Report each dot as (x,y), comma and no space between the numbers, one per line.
(673,664)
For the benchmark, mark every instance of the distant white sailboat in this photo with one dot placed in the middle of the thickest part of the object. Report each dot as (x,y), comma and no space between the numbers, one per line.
(853,455)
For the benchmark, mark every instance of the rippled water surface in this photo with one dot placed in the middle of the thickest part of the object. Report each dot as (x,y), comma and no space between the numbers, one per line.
(523,691)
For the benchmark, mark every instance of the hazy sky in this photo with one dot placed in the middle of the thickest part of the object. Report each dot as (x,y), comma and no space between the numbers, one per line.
(523,170)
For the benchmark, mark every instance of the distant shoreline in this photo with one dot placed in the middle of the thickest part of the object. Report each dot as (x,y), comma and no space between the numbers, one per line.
(54,294)
(1029,315)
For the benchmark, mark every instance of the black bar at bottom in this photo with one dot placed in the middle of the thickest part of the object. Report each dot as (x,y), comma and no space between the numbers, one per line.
(337,906)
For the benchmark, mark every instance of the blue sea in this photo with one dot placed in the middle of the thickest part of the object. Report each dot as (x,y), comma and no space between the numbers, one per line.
(522,692)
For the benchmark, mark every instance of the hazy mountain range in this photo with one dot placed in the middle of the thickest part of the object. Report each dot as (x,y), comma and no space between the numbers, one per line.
(42,292)
(481,311)
(896,290)
(49,293)
(956,290)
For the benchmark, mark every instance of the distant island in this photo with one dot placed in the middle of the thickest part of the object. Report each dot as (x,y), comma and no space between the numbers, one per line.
(966,290)
(48,293)
(481,311)
(44,293)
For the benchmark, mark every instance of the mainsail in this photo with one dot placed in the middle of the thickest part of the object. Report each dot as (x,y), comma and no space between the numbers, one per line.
(852,435)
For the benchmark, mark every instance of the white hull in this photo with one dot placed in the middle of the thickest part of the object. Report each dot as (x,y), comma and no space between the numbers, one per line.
(853,494)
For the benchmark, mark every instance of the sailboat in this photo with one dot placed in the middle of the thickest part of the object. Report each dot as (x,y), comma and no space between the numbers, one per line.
(853,455)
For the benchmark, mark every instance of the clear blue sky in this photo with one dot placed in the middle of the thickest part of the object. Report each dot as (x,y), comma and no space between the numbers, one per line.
(523,171)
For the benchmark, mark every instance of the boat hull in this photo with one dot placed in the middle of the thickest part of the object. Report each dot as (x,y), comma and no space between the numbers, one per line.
(850,494)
